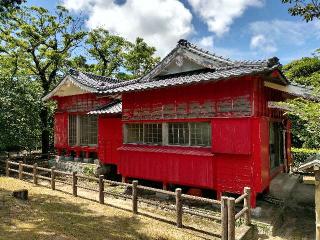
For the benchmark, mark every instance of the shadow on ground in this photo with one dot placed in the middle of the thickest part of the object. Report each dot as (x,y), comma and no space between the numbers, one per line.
(51,217)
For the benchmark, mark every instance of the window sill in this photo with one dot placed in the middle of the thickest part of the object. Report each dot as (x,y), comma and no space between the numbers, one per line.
(181,150)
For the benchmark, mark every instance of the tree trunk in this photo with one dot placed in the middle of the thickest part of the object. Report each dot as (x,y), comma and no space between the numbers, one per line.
(45,130)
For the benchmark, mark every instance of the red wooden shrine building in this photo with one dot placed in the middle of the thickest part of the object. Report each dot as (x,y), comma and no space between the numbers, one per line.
(196,120)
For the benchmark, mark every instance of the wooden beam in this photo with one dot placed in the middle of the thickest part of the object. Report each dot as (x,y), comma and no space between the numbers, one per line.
(295,90)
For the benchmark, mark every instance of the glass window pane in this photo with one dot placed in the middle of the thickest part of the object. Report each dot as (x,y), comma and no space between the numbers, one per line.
(72,130)
(88,130)
(200,134)
(135,133)
(178,134)
(153,133)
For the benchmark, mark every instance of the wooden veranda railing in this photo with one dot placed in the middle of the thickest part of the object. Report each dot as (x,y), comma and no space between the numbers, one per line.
(228,211)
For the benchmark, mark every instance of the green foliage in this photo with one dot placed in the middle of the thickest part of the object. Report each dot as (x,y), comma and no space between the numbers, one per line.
(305,71)
(305,114)
(140,58)
(88,170)
(20,106)
(113,56)
(40,43)
(37,47)
(308,113)
(308,9)
(300,155)
(108,50)
(7,5)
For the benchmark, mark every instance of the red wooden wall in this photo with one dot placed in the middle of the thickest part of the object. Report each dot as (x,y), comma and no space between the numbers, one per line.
(60,130)
(239,155)
(109,138)
(109,127)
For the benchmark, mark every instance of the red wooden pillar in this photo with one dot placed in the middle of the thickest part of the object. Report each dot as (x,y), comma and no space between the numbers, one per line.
(59,151)
(219,195)
(288,144)
(77,156)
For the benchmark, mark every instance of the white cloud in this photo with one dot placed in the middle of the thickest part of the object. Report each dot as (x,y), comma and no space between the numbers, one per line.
(268,36)
(76,5)
(263,44)
(220,14)
(206,42)
(160,22)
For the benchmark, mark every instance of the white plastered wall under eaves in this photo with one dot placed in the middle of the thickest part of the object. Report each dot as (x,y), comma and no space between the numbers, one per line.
(186,65)
(68,89)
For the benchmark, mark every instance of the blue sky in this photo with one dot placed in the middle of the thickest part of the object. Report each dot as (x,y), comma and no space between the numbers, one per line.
(239,29)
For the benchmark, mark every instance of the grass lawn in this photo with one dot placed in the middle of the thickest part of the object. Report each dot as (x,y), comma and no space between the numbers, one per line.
(56,215)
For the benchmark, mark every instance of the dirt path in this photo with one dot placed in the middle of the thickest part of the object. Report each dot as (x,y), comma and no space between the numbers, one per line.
(299,216)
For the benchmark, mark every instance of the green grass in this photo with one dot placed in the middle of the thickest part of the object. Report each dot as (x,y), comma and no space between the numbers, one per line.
(54,215)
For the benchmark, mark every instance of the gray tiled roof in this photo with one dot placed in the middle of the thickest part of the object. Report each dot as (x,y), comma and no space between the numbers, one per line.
(92,80)
(86,81)
(190,77)
(114,107)
(214,68)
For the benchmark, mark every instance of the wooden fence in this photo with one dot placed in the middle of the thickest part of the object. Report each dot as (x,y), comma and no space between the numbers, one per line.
(228,210)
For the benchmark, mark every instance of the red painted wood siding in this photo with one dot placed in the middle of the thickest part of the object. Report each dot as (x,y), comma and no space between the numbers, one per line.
(179,165)
(231,135)
(200,93)
(80,103)
(60,130)
(227,162)
(109,139)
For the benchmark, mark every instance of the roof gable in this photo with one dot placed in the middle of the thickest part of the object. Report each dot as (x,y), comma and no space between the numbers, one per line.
(67,87)
(186,57)
(77,82)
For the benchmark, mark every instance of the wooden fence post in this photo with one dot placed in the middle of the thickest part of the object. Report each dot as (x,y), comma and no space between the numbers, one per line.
(231,219)
(53,182)
(101,189)
(135,196)
(224,218)
(20,170)
(74,184)
(179,207)
(246,203)
(7,168)
(35,178)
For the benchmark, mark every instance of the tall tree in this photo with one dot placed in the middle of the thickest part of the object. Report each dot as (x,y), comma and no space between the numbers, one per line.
(308,9)
(305,113)
(114,56)
(20,101)
(42,43)
(107,50)
(7,5)
(140,59)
